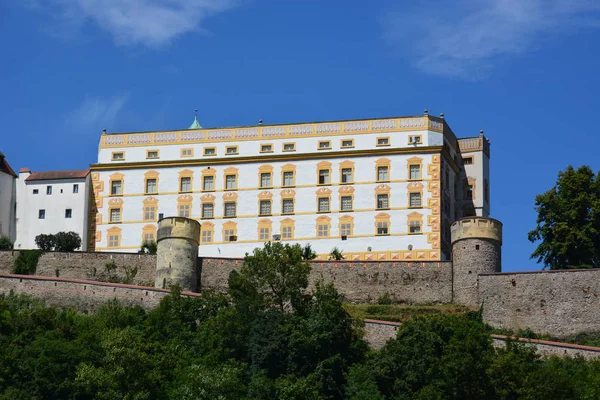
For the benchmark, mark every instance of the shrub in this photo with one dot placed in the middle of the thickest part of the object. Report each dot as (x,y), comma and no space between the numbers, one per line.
(385,299)
(148,247)
(67,241)
(26,263)
(45,242)
(336,254)
(5,243)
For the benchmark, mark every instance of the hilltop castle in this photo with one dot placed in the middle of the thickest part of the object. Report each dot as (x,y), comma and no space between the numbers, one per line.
(378,189)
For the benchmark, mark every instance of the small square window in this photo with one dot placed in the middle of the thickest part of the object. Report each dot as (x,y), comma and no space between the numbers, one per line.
(347,143)
(187,152)
(35,191)
(75,188)
(152,154)
(414,226)
(289,147)
(266,148)
(48,189)
(414,139)
(383,141)
(120,156)
(346,229)
(42,214)
(382,228)
(68,213)
(324,145)
(231,150)
(113,241)
(210,151)
(322,230)
(467,160)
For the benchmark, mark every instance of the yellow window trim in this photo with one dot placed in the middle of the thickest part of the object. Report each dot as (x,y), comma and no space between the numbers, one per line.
(227,153)
(114,153)
(411,139)
(206,149)
(387,138)
(231,171)
(328,147)
(346,165)
(288,144)
(351,146)
(288,168)
(414,161)
(152,151)
(190,149)
(116,177)
(270,145)
(287,223)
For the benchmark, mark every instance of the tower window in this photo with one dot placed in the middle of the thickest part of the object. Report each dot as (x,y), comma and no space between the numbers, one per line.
(68,213)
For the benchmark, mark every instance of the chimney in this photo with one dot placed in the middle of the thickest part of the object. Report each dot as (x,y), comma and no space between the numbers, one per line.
(442,115)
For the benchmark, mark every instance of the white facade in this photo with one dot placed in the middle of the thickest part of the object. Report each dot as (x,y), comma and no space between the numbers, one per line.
(51,202)
(142,176)
(7,200)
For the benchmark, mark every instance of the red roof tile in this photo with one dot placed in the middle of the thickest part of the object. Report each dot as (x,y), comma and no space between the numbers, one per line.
(5,167)
(53,175)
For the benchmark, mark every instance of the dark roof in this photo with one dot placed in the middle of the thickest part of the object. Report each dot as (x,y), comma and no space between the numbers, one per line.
(54,175)
(5,167)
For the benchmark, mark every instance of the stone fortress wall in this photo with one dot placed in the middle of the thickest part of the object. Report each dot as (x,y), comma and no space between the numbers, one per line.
(558,303)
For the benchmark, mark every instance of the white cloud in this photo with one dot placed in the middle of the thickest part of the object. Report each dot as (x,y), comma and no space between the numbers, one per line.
(96,113)
(465,38)
(152,23)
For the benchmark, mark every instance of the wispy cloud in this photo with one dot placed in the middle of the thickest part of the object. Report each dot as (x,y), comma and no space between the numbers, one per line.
(467,38)
(152,23)
(96,113)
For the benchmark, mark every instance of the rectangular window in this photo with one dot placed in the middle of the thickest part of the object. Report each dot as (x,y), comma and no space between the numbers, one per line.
(185,184)
(382,228)
(151,186)
(289,147)
(323,204)
(347,143)
(75,188)
(265,180)
(210,151)
(228,235)
(469,192)
(116,188)
(415,199)
(230,182)
(35,191)
(287,206)
(324,145)
(382,201)
(208,210)
(230,209)
(347,175)
(184,210)
(265,207)
(152,154)
(324,177)
(383,141)
(187,152)
(209,183)
(414,226)
(206,236)
(68,213)
(48,189)
(346,203)
(120,156)
(231,150)
(467,160)
(288,178)
(266,148)
(149,237)
(415,172)
(286,232)
(42,214)
(322,230)
(346,229)
(115,215)
(383,174)
(414,140)
(113,241)
(264,234)
(149,213)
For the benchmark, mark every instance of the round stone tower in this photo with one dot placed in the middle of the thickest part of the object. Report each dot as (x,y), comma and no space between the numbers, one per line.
(476,249)
(177,253)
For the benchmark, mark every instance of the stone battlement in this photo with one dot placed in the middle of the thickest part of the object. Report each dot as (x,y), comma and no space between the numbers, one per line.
(476,227)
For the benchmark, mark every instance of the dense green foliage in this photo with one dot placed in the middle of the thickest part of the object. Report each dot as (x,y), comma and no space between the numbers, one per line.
(269,338)
(61,241)
(148,247)
(568,222)
(26,262)
(5,243)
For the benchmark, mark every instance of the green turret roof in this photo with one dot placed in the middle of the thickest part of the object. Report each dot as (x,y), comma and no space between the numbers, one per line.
(195,124)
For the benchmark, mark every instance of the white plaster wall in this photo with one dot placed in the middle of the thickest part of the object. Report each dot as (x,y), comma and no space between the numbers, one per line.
(305,205)
(480,171)
(28,205)
(7,205)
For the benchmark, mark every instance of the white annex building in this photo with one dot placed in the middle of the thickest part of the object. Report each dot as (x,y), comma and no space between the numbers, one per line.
(7,199)
(51,202)
(377,189)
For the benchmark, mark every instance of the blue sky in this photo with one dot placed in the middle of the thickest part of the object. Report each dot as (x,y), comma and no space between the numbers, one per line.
(524,71)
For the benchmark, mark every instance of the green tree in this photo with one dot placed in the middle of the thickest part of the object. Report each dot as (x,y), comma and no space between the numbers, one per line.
(67,241)
(45,242)
(336,254)
(5,243)
(148,247)
(308,253)
(274,275)
(568,222)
